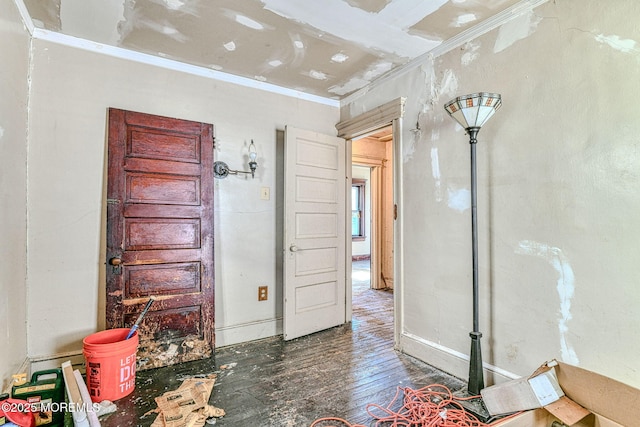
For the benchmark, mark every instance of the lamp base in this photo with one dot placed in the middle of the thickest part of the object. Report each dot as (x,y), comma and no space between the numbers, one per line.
(474,406)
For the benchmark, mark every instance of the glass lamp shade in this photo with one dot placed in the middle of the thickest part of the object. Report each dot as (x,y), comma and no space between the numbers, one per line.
(473,110)
(252,152)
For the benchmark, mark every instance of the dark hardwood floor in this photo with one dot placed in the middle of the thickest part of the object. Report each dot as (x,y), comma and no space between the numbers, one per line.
(334,373)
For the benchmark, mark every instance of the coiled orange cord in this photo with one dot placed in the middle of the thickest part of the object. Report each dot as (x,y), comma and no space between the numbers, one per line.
(343,423)
(431,406)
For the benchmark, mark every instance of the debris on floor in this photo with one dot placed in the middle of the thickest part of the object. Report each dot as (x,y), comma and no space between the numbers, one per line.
(188,405)
(106,407)
(433,405)
(169,350)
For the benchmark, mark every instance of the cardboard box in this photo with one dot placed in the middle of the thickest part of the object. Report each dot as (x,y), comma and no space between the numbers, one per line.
(586,399)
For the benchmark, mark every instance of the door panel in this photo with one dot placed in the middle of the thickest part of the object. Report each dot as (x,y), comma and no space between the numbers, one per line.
(160,234)
(315,245)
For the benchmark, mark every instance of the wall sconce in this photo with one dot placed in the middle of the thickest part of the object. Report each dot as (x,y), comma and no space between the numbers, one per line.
(221,169)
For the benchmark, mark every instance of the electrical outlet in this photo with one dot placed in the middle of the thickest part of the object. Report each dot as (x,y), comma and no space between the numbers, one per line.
(262,293)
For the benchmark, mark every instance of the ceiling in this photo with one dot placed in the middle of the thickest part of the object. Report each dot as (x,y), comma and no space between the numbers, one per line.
(328,48)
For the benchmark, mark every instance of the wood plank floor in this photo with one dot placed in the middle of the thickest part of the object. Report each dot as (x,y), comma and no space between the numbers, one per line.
(334,373)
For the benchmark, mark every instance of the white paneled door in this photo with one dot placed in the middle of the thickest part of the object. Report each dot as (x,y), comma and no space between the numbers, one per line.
(314,233)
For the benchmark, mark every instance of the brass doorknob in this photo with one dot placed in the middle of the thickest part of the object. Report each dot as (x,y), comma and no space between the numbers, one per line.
(115,261)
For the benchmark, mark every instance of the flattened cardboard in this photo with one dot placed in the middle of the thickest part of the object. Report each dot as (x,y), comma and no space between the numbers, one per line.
(613,404)
(566,410)
(612,399)
(512,396)
(522,394)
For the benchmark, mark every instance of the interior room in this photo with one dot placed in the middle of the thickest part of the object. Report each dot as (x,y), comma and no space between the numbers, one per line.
(557,175)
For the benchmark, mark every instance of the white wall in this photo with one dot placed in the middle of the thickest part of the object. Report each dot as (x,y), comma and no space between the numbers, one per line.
(558,199)
(363,247)
(71,92)
(14,72)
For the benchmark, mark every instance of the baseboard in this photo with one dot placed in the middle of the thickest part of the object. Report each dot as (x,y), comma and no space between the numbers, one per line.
(41,363)
(449,360)
(224,336)
(245,332)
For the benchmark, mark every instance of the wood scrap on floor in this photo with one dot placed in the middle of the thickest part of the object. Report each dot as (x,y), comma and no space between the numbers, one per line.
(188,405)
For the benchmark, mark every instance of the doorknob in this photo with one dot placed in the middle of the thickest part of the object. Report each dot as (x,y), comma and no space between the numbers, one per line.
(116,265)
(293,248)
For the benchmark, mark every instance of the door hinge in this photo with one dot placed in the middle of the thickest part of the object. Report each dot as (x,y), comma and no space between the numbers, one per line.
(395,212)
(113,201)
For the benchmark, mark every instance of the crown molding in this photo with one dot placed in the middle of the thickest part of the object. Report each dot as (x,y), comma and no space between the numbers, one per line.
(472,33)
(26,18)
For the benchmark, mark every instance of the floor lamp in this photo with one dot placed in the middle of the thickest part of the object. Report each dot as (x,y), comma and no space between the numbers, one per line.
(472,111)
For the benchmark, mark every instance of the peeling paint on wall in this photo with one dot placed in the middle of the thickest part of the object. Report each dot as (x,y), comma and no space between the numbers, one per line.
(459,199)
(565,288)
(408,148)
(435,171)
(428,100)
(449,83)
(448,86)
(623,45)
(516,29)
(470,54)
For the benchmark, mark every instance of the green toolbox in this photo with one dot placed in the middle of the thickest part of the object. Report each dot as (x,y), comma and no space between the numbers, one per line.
(46,393)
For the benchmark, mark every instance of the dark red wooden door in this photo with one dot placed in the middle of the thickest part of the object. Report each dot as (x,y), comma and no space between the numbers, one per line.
(160,235)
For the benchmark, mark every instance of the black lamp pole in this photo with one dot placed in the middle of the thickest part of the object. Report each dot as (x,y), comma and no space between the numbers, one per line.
(476,378)
(471,112)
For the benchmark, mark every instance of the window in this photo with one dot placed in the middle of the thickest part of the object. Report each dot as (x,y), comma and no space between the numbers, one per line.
(357,209)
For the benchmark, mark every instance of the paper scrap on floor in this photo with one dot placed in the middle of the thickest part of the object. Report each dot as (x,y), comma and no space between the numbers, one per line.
(188,405)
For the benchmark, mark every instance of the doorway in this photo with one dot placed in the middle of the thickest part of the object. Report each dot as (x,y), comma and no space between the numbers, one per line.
(372,213)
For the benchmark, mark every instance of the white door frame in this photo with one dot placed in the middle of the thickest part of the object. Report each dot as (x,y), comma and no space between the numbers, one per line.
(379,117)
(375,231)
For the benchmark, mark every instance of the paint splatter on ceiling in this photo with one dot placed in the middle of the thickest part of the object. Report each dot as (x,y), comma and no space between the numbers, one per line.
(329,48)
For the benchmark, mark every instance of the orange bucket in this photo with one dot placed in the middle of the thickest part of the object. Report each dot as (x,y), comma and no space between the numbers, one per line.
(111,364)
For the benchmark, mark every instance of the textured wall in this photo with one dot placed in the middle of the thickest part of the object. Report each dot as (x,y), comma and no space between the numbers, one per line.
(71,91)
(558,170)
(14,70)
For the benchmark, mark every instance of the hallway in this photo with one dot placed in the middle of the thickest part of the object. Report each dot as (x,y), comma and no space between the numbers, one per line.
(333,373)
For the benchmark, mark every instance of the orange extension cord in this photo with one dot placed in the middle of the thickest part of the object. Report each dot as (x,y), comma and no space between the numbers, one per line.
(431,406)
